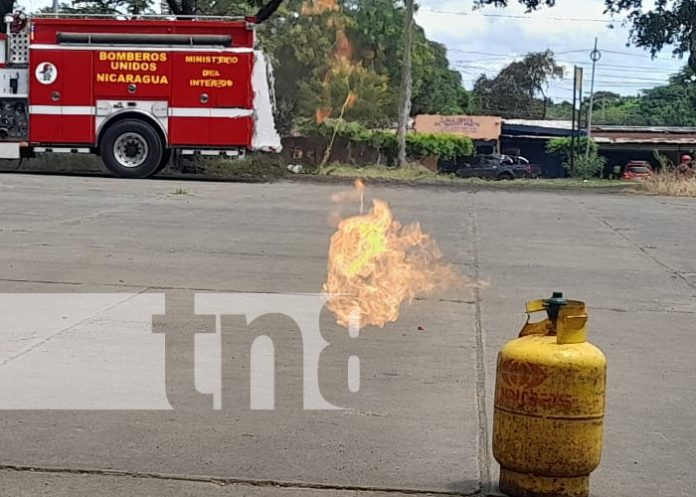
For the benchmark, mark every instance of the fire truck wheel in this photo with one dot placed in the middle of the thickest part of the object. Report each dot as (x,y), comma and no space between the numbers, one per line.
(166,157)
(131,149)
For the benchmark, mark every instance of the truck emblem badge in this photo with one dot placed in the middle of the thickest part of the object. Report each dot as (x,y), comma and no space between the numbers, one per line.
(46,73)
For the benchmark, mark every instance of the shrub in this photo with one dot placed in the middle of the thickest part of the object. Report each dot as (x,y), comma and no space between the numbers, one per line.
(670,183)
(418,145)
(562,146)
(586,167)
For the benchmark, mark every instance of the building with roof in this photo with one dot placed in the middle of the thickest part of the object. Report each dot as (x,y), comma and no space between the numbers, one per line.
(483,130)
(529,138)
(620,144)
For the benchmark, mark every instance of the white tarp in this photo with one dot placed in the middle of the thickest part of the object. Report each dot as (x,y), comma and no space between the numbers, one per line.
(266,138)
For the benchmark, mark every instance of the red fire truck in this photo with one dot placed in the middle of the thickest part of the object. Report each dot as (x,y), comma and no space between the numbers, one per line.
(134,91)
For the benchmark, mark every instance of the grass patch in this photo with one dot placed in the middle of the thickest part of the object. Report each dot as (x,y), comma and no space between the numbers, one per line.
(418,174)
(412,172)
(69,163)
(261,167)
(181,191)
(670,184)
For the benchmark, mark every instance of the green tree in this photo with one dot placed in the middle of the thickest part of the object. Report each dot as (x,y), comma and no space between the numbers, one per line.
(584,166)
(518,90)
(106,7)
(673,104)
(437,89)
(609,108)
(304,43)
(656,24)
(375,29)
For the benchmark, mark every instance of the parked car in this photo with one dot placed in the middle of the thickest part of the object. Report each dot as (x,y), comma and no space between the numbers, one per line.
(523,168)
(490,166)
(637,169)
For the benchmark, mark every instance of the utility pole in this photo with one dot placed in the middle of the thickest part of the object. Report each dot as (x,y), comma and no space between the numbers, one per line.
(577,84)
(406,82)
(581,76)
(595,55)
(572,125)
(55,6)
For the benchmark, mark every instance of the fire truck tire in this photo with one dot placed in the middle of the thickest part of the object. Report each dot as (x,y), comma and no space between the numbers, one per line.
(131,149)
(166,157)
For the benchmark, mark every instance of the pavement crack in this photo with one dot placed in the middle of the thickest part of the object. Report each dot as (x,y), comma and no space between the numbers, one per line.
(50,337)
(652,311)
(47,282)
(484,462)
(643,250)
(225,481)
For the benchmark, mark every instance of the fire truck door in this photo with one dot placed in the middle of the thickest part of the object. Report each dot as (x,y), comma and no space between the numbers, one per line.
(213,104)
(60,97)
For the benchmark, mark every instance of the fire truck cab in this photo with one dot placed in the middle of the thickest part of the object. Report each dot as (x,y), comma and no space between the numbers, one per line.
(134,91)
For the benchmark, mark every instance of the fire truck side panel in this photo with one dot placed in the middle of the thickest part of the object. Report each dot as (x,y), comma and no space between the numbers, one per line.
(224,77)
(190,131)
(132,74)
(61,108)
(213,103)
(221,131)
(78,124)
(241,128)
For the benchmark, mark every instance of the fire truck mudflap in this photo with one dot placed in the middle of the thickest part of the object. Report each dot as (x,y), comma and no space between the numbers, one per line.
(134,91)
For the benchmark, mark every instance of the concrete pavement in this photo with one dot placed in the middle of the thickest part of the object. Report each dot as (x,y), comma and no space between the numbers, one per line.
(421,422)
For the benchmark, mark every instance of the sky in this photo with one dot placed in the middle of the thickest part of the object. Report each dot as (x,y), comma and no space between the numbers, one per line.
(479,44)
(483,42)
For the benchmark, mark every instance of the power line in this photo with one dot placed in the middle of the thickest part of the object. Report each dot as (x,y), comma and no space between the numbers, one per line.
(520,16)
(624,68)
(628,54)
(499,54)
(603,74)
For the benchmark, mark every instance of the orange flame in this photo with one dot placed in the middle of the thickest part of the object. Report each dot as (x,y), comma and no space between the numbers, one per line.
(351,98)
(322,114)
(317,7)
(340,65)
(375,264)
(344,49)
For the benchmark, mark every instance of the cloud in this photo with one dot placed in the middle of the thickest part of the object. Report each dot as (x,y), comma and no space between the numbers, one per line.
(485,43)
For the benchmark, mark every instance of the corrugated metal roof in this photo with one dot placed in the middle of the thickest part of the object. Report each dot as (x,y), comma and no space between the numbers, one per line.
(540,123)
(561,124)
(643,140)
(646,129)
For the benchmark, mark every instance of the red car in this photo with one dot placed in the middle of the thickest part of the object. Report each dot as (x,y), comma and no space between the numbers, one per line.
(637,169)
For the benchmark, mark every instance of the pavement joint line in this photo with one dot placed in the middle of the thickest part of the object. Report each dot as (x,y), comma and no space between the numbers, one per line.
(484,462)
(225,481)
(637,245)
(47,282)
(655,311)
(50,337)
(85,217)
(193,289)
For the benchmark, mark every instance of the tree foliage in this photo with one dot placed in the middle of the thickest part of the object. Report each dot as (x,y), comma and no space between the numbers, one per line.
(655,24)
(418,145)
(673,104)
(322,54)
(584,165)
(518,91)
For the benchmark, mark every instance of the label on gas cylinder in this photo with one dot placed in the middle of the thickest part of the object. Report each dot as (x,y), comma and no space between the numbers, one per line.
(529,388)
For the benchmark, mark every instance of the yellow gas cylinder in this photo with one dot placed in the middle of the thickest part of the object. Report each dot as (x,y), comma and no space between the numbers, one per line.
(549,404)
